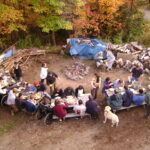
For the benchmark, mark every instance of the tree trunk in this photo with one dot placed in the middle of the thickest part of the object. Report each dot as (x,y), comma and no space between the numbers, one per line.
(53,38)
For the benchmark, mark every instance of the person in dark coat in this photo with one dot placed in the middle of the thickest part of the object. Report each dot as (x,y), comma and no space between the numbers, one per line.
(18,72)
(127,97)
(136,73)
(51,81)
(115,101)
(69,91)
(92,108)
(58,93)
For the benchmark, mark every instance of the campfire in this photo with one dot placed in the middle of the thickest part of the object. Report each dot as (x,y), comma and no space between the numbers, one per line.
(76,71)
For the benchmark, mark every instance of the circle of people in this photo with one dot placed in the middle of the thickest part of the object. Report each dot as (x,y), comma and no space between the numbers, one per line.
(24,96)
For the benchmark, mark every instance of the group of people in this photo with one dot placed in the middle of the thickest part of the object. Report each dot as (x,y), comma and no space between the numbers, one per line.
(17,100)
(23,96)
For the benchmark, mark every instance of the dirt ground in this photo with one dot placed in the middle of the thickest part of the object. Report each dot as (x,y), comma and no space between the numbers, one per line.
(23,132)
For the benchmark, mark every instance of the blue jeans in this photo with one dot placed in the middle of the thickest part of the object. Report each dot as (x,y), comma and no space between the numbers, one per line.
(134,79)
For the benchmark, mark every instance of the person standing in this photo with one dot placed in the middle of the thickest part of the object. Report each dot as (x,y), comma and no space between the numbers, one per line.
(136,73)
(110,59)
(17,72)
(147,100)
(51,81)
(96,82)
(44,72)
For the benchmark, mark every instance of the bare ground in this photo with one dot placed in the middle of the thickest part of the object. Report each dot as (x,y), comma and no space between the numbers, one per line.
(29,134)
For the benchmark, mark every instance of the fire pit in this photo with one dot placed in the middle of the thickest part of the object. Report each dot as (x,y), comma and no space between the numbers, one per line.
(76,71)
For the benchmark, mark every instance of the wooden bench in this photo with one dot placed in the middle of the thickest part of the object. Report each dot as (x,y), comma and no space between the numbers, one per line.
(71,115)
(131,106)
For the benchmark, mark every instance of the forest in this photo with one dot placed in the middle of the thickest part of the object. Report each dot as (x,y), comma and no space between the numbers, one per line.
(36,23)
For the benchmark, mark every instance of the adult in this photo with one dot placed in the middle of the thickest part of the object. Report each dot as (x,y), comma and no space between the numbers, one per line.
(69,91)
(18,72)
(127,97)
(39,86)
(136,73)
(80,108)
(11,101)
(51,81)
(147,100)
(110,59)
(20,101)
(107,84)
(29,105)
(60,109)
(139,98)
(118,83)
(30,88)
(79,91)
(96,82)
(115,101)
(92,108)
(43,72)
(58,93)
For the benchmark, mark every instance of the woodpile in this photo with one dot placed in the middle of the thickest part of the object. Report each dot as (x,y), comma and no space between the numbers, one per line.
(21,56)
(76,71)
(134,55)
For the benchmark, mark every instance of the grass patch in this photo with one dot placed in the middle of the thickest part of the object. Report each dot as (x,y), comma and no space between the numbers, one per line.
(6,128)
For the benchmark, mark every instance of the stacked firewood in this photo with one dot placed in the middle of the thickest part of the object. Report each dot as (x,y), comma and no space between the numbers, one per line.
(140,56)
(20,56)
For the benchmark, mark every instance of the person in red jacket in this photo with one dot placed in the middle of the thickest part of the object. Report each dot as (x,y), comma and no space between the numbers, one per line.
(59,109)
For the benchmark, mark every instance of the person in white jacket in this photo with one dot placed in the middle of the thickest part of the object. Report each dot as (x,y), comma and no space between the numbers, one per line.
(43,73)
(110,59)
(11,101)
(80,109)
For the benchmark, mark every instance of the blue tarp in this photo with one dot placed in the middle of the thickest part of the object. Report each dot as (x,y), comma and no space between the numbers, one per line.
(84,50)
(6,55)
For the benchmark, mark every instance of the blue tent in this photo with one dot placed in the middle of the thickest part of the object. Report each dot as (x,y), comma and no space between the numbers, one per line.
(86,51)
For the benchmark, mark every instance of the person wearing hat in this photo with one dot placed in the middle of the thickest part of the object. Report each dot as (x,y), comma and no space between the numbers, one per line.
(147,100)
(136,73)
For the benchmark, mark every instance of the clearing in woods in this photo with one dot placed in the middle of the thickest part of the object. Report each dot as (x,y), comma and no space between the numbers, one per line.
(23,132)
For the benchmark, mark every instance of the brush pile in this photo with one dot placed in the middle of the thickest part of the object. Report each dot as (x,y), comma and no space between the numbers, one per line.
(21,56)
(76,71)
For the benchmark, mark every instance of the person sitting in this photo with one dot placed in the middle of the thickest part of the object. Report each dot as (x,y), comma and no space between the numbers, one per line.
(19,101)
(127,97)
(92,108)
(39,86)
(118,83)
(107,84)
(69,91)
(139,99)
(115,101)
(11,101)
(30,88)
(29,105)
(80,108)
(79,91)
(58,93)
(147,100)
(59,109)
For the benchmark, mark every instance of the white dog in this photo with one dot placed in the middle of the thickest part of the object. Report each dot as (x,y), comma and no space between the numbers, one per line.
(111,116)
